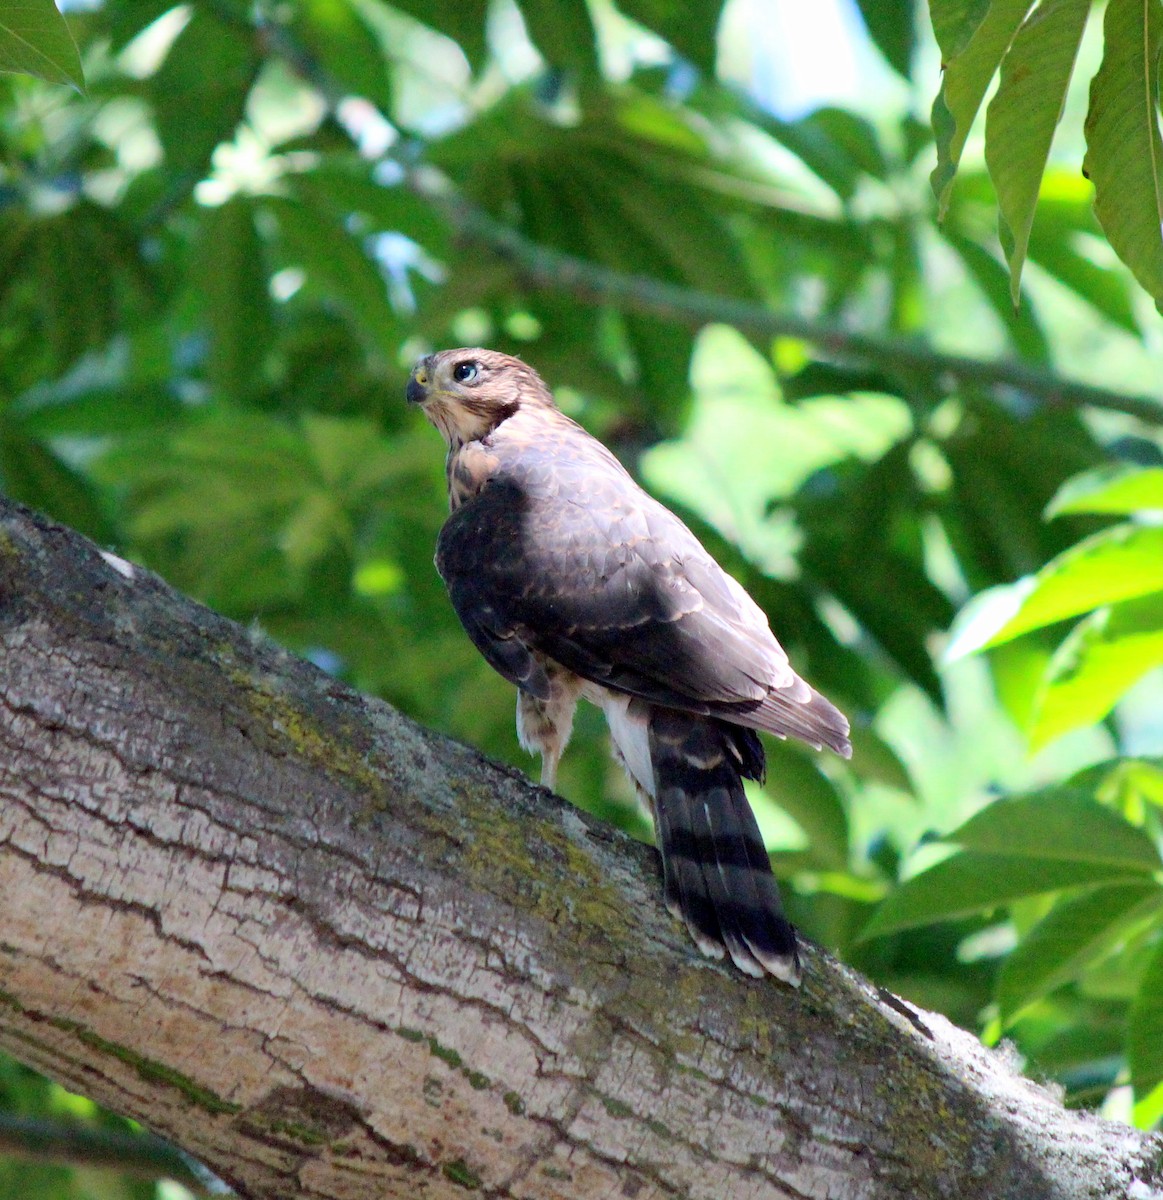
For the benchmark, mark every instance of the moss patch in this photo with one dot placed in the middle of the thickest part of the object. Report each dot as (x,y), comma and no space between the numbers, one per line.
(445,1053)
(459,1172)
(476,1079)
(150,1071)
(10,1001)
(306,1134)
(500,852)
(331,750)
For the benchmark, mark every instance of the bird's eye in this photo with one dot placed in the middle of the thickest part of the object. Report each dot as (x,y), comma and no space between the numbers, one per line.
(464,372)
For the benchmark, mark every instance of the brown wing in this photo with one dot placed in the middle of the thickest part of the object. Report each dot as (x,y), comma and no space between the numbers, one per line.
(563,553)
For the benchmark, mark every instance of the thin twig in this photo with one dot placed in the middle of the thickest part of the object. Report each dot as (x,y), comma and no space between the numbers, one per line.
(548,269)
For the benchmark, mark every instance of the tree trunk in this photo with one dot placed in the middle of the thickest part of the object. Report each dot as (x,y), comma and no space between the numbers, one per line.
(333,955)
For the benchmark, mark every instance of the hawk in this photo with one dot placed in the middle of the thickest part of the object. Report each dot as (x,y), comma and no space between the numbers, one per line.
(574,583)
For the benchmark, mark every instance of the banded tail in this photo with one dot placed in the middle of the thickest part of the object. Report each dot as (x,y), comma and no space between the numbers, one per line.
(716,872)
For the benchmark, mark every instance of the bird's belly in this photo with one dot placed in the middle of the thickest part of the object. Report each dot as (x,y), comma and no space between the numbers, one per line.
(628,720)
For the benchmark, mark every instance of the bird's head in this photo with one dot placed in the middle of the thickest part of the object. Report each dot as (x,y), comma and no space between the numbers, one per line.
(467,393)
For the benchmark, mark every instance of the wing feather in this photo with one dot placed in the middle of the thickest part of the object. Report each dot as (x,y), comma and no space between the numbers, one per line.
(563,554)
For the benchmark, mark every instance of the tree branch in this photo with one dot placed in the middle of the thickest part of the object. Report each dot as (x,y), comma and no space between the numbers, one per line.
(332,955)
(546,269)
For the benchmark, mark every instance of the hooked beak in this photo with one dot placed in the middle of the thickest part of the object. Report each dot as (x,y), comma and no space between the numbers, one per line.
(417,389)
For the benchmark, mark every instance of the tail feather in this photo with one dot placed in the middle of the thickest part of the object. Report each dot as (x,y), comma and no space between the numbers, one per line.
(716,872)
(728,876)
(683,888)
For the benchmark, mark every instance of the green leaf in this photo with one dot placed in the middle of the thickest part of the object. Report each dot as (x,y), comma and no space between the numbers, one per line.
(1145,1027)
(101,411)
(990,277)
(312,527)
(851,136)
(1062,824)
(892,26)
(689,28)
(1114,488)
(233,285)
(1059,249)
(875,761)
(1022,117)
(1074,933)
(336,266)
(811,143)
(461,20)
(346,190)
(335,32)
(1130,783)
(32,473)
(199,93)
(805,794)
(1115,564)
(1124,152)
(35,40)
(1018,668)
(954,24)
(563,32)
(125,21)
(971,881)
(1102,658)
(967,76)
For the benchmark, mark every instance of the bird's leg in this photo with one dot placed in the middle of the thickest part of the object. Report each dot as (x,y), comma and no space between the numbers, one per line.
(544,726)
(550,757)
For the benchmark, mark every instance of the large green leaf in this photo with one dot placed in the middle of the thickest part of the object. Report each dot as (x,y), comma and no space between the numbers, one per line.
(1022,117)
(232,282)
(335,32)
(31,472)
(462,20)
(1099,661)
(1058,245)
(689,28)
(967,78)
(1074,932)
(346,188)
(1062,824)
(1116,564)
(34,40)
(199,93)
(1145,1027)
(336,266)
(990,276)
(804,793)
(892,26)
(971,882)
(1114,488)
(563,33)
(1006,466)
(954,24)
(1124,152)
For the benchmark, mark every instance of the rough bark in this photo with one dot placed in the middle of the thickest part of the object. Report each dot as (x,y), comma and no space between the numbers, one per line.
(333,955)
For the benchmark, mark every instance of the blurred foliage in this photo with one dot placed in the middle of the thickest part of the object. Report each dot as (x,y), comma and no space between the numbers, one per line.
(1031,48)
(220,260)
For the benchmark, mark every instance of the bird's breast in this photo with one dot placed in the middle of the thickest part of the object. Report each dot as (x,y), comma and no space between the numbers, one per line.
(468,468)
